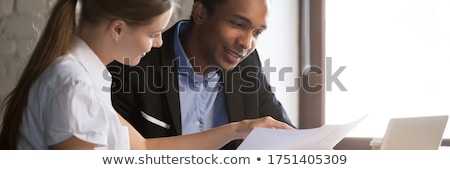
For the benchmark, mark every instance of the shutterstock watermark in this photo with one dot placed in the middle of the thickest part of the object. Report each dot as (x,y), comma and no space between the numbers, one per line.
(251,78)
(306,76)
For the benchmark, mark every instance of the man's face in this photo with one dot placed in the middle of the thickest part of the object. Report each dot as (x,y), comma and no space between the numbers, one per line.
(229,33)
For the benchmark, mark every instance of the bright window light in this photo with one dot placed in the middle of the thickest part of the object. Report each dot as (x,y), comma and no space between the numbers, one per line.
(396,60)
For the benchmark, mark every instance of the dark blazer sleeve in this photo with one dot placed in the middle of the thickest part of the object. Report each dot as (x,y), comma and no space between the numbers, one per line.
(249,95)
(137,95)
(259,100)
(268,103)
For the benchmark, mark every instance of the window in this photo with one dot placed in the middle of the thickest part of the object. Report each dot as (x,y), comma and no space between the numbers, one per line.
(395,58)
(278,51)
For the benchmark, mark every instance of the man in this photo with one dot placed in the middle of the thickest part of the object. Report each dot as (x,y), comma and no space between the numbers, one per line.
(206,74)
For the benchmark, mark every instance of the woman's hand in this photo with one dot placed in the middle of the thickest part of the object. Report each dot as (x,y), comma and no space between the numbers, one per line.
(244,127)
(211,139)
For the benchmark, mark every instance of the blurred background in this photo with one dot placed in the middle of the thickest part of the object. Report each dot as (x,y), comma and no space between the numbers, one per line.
(21,22)
(395,54)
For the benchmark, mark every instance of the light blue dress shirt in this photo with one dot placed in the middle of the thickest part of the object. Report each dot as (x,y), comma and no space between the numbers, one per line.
(202,99)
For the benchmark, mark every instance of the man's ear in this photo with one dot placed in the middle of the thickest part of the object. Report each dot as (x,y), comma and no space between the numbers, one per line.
(199,12)
(116,28)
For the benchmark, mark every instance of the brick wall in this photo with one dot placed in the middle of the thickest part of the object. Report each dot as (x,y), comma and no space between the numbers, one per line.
(21,22)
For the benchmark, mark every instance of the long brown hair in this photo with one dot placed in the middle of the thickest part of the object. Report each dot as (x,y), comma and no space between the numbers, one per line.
(57,39)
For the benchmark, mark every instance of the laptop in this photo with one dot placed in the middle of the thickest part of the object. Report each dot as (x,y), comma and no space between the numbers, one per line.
(414,133)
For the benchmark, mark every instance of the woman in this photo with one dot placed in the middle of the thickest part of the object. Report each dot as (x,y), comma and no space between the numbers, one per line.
(62,100)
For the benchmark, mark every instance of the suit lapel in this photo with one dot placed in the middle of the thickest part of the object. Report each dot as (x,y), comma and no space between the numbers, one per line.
(170,78)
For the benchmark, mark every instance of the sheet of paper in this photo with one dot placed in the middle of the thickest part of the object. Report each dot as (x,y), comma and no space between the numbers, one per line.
(322,138)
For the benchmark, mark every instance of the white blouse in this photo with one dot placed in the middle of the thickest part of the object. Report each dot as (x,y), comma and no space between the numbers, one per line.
(72,98)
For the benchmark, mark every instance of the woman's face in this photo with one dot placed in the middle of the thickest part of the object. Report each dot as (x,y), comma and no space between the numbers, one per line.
(137,41)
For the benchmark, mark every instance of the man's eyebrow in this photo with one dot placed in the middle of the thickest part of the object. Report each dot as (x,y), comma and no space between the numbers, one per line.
(248,21)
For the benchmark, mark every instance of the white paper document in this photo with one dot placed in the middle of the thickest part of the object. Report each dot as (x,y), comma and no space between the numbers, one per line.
(322,138)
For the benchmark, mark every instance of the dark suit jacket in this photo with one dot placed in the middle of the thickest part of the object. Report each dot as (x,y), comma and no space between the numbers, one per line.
(152,87)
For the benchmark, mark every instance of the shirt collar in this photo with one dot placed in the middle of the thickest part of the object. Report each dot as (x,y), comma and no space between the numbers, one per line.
(183,64)
(93,66)
(180,55)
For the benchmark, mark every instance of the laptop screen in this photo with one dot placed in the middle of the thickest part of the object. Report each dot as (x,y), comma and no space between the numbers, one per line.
(414,133)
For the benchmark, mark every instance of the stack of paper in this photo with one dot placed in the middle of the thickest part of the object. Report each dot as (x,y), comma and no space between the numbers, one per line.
(322,138)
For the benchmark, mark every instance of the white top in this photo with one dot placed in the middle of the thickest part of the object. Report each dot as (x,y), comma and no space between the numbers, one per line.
(72,98)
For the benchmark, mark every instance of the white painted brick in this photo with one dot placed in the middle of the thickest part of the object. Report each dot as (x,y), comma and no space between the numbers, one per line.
(30,6)
(3,63)
(8,61)
(21,22)
(7,47)
(2,27)
(6,7)
(25,48)
(2,97)
(50,4)
(182,11)
(21,26)
(14,68)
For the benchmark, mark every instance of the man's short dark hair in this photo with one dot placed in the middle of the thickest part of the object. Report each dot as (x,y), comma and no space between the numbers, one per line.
(211,5)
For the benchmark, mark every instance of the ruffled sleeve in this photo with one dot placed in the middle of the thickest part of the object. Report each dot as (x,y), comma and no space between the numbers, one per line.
(76,110)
